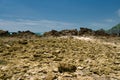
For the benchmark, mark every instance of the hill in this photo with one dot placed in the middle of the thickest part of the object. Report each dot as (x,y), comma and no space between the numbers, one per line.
(115,29)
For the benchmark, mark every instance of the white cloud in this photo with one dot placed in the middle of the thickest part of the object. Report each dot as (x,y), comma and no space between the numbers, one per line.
(34,25)
(118,12)
(96,25)
(109,20)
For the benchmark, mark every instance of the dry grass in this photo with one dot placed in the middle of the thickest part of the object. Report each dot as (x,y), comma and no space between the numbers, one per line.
(34,58)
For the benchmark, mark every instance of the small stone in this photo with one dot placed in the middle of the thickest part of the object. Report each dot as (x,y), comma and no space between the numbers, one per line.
(67,75)
(80,68)
(55,70)
(85,78)
(117,62)
(7,45)
(50,76)
(57,51)
(79,73)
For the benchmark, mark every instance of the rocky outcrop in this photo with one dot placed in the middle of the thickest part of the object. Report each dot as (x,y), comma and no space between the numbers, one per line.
(101,32)
(69,32)
(4,33)
(51,33)
(86,31)
(61,33)
(25,34)
(75,32)
(55,33)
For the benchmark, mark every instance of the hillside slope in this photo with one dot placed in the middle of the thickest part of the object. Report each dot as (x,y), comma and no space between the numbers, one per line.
(115,29)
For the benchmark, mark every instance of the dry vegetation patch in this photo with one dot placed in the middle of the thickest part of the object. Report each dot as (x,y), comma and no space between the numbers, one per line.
(65,58)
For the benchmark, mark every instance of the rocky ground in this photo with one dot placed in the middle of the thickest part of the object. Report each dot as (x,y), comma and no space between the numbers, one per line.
(60,58)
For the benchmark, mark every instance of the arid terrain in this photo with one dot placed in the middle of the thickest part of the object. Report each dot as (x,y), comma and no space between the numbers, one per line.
(60,58)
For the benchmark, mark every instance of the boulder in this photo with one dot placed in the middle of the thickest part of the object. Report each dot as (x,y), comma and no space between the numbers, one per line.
(86,31)
(4,33)
(51,33)
(69,32)
(66,67)
(25,34)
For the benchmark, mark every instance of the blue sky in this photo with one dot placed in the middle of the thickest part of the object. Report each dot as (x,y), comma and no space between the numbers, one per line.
(44,15)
